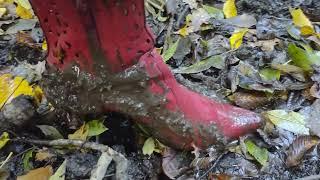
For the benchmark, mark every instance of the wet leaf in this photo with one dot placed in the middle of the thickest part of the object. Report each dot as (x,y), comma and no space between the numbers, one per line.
(44,46)
(291,121)
(303,58)
(294,32)
(260,154)
(269,74)
(170,51)
(2,11)
(24,3)
(60,173)
(307,30)
(24,13)
(37,174)
(237,38)
(95,128)
(244,21)
(299,19)
(249,100)
(27,165)
(4,138)
(299,148)
(80,134)
(213,12)
(50,132)
(21,25)
(213,61)
(294,71)
(229,9)
(149,146)
(43,155)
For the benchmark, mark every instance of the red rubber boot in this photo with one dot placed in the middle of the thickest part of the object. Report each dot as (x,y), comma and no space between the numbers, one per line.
(109,38)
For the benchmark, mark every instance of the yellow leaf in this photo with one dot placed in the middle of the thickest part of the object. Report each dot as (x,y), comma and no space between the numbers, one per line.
(80,134)
(4,138)
(23,12)
(8,86)
(14,87)
(2,11)
(301,20)
(149,146)
(38,174)
(184,31)
(237,38)
(307,30)
(229,9)
(44,46)
(24,3)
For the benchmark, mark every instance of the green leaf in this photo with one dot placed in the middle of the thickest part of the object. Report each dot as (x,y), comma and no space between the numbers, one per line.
(170,51)
(269,74)
(260,154)
(4,138)
(60,173)
(95,128)
(149,146)
(214,12)
(212,61)
(50,132)
(291,121)
(27,165)
(303,58)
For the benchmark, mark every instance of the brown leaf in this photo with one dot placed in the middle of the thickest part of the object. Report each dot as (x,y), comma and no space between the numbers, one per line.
(250,100)
(298,149)
(43,173)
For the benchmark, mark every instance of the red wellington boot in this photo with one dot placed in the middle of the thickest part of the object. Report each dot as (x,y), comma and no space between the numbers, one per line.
(109,39)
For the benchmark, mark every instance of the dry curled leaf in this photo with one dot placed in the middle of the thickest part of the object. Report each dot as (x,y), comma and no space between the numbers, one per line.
(298,149)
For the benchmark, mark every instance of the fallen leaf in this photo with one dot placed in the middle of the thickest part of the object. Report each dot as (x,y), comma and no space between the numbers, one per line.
(269,74)
(2,11)
(213,61)
(4,138)
(250,100)
(80,134)
(23,13)
(237,38)
(24,3)
(27,165)
(167,54)
(44,46)
(38,174)
(95,128)
(244,21)
(291,121)
(43,155)
(294,71)
(294,32)
(260,154)
(61,172)
(307,30)
(303,58)
(50,132)
(183,31)
(300,19)
(21,25)
(298,149)
(229,8)
(213,12)
(149,146)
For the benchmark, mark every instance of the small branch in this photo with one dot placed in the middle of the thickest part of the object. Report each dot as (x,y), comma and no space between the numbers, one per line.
(107,152)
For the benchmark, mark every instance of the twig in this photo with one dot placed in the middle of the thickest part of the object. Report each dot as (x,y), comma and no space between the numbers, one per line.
(102,166)
(120,160)
(6,160)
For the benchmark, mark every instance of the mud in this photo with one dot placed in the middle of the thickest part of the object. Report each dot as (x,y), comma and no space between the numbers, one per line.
(75,94)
